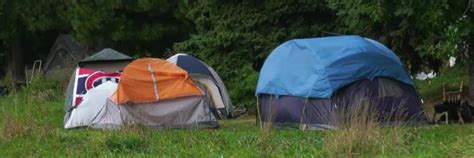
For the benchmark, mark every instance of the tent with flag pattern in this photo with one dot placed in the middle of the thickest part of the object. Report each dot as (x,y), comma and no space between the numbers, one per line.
(155,93)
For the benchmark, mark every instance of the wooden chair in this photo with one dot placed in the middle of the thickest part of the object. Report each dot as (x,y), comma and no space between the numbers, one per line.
(453,100)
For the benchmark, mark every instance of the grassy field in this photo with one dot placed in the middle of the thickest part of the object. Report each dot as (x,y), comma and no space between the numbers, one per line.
(31,126)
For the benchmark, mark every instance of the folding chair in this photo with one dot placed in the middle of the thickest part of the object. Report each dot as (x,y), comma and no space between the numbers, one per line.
(452,100)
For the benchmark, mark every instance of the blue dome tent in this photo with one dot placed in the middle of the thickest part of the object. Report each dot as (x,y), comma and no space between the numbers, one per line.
(305,81)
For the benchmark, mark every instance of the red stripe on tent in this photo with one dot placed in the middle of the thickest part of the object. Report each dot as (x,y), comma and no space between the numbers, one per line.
(83,71)
(78,101)
(98,75)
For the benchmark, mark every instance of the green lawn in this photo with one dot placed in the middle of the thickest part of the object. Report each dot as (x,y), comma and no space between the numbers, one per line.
(31,125)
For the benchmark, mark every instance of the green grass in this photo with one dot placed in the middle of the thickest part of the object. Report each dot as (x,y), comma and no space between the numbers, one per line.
(31,126)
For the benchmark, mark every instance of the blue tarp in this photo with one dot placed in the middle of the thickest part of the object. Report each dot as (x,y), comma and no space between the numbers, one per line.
(317,67)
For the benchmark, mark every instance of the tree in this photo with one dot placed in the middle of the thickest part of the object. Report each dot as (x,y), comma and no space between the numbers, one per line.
(134,26)
(22,22)
(419,31)
(407,26)
(458,39)
(235,36)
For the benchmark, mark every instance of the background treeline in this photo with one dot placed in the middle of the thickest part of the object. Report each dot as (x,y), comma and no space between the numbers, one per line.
(235,36)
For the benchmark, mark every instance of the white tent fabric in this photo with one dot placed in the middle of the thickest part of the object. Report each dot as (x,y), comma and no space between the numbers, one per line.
(94,101)
(223,90)
(109,117)
(211,89)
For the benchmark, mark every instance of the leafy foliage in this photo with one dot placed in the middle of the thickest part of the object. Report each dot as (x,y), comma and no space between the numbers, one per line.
(419,31)
(243,87)
(235,36)
(25,30)
(136,26)
(231,35)
(19,16)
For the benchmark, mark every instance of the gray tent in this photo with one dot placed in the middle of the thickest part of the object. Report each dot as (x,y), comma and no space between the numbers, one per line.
(205,75)
(106,60)
(63,56)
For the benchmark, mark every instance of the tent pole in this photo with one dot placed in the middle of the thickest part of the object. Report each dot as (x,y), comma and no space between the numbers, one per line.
(259,119)
(303,126)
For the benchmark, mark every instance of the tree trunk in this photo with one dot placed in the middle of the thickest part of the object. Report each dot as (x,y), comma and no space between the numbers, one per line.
(4,59)
(470,55)
(471,80)
(15,61)
(470,64)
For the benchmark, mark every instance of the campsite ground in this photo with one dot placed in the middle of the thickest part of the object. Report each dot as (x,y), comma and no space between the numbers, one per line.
(31,125)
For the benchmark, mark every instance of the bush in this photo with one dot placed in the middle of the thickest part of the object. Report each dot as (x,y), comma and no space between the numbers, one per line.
(242,88)
(232,37)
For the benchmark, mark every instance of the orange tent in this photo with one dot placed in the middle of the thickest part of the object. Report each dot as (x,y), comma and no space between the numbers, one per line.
(150,80)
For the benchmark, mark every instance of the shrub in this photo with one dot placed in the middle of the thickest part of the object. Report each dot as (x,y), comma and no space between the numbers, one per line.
(242,88)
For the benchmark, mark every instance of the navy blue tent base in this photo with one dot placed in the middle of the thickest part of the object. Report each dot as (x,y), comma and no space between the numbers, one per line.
(387,100)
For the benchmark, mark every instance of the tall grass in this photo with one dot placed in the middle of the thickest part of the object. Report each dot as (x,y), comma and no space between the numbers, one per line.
(24,112)
(361,128)
(360,133)
(265,136)
(31,126)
